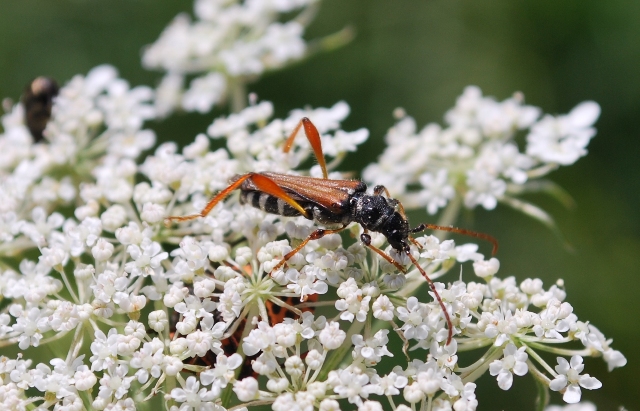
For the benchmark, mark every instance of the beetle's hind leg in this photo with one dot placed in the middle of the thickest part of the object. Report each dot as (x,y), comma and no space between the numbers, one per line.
(313,136)
(262,183)
(316,235)
(212,203)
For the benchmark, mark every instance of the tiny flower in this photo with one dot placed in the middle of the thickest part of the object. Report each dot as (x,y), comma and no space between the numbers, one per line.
(332,337)
(103,250)
(192,395)
(152,213)
(486,268)
(513,361)
(246,389)
(570,380)
(383,308)
(158,320)
(84,378)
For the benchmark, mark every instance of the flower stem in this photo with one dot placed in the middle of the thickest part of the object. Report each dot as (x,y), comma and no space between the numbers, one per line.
(449,216)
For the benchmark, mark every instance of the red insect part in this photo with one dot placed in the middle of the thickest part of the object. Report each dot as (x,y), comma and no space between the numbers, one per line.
(335,203)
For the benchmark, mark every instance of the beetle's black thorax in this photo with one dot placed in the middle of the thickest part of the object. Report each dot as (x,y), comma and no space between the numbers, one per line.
(379,214)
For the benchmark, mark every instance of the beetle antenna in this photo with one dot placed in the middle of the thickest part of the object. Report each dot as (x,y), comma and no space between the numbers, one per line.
(462,231)
(435,292)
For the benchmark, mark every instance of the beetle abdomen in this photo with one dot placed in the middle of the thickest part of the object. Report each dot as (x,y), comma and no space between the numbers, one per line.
(268,203)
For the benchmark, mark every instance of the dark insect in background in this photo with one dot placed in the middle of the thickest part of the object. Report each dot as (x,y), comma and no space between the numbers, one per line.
(37,100)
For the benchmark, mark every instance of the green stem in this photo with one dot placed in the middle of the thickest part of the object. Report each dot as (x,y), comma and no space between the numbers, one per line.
(542,399)
(540,361)
(562,351)
(449,216)
(338,355)
(67,284)
(238,95)
(478,368)
(76,344)
(476,343)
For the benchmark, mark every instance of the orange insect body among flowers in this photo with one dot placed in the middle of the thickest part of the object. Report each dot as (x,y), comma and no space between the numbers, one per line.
(332,202)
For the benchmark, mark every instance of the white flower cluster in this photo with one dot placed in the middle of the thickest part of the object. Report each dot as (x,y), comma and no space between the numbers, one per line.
(94,137)
(203,313)
(489,152)
(228,44)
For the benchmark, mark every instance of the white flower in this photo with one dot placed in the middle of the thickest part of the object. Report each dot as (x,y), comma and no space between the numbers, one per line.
(499,325)
(115,383)
(486,268)
(147,258)
(412,393)
(415,317)
(437,190)
(563,139)
(84,378)
(152,213)
(103,250)
(246,389)
(204,92)
(383,308)
(114,217)
(353,304)
(158,320)
(225,40)
(294,366)
(554,319)
(126,108)
(467,400)
(513,362)
(350,385)
(192,395)
(218,284)
(372,349)
(259,339)
(27,326)
(484,189)
(223,372)
(569,377)
(331,337)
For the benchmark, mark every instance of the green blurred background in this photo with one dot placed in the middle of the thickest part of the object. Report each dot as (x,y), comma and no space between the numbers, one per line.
(420,55)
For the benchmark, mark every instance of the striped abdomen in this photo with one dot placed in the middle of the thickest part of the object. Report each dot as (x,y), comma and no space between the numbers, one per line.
(267,203)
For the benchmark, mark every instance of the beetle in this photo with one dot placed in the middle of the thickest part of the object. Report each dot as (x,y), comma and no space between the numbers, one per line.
(332,203)
(37,99)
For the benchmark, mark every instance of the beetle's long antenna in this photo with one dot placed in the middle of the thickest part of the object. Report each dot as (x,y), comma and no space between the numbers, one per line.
(462,231)
(437,295)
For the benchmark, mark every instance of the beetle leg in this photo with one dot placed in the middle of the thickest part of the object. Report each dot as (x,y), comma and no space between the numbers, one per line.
(366,240)
(262,183)
(212,203)
(314,138)
(414,242)
(316,235)
(378,190)
(462,231)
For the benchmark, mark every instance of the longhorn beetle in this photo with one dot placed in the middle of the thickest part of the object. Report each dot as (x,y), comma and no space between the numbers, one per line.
(332,202)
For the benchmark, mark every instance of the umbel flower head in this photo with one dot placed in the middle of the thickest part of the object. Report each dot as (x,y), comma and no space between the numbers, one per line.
(490,152)
(225,46)
(194,316)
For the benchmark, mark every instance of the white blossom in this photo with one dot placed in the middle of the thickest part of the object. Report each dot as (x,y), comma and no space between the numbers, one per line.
(513,362)
(570,380)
